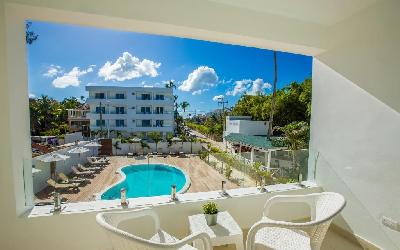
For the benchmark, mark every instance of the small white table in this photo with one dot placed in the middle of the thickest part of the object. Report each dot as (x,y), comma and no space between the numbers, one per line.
(225,232)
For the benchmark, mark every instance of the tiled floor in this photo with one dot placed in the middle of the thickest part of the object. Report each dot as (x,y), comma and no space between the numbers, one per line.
(332,241)
(203,177)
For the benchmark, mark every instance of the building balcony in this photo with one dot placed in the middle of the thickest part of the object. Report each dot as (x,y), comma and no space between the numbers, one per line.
(105,101)
(106,116)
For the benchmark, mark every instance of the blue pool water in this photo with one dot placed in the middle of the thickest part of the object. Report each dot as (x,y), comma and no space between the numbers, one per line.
(147,180)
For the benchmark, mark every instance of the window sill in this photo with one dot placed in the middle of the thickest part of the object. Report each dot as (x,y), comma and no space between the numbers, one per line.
(104,205)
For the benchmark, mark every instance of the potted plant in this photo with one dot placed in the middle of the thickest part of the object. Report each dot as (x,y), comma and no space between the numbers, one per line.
(210,210)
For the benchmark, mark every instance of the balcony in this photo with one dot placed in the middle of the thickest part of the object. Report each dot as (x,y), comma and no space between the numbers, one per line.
(138,97)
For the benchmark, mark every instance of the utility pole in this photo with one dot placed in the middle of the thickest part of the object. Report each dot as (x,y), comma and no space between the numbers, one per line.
(222,102)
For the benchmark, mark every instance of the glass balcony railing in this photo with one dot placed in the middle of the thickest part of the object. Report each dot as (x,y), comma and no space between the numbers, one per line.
(162,113)
(270,168)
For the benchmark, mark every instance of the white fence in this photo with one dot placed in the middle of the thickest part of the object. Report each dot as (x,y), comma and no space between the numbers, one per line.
(162,147)
(42,169)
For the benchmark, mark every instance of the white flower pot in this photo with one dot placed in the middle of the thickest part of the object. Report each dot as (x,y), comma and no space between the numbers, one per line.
(211,219)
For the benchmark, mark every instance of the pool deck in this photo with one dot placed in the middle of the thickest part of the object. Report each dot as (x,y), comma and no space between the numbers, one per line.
(203,177)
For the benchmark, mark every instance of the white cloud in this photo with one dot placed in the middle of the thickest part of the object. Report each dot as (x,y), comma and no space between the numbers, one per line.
(199,92)
(32,95)
(224,81)
(71,78)
(249,86)
(240,87)
(128,67)
(53,71)
(259,87)
(218,98)
(199,80)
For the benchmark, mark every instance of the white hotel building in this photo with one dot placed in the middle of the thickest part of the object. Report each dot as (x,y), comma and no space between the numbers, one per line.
(131,109)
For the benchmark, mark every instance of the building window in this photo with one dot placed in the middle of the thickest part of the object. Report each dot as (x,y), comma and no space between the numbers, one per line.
(146,97)
(100,123)
(120,123)
(100,109)
(159,110)
(99,96)
(159,97)
(120,110)
(159,123)
(146,123)
(145,110)
(120,96)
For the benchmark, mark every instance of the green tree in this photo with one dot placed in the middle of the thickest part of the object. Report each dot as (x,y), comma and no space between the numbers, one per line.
(170,84)
(47,115)
(271,116)
(184,105)
(293,103)
(30,36)
(297,135)
(156,137)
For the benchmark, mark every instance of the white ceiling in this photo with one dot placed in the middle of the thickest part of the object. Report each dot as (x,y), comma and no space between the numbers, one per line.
(324,12)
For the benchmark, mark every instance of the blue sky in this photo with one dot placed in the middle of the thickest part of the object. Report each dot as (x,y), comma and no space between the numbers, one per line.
(66,58)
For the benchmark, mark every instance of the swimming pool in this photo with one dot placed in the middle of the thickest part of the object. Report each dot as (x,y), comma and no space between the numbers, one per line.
(144,180)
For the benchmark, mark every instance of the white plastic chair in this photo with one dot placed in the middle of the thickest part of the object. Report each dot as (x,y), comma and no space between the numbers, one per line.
(271,234)
(122,240)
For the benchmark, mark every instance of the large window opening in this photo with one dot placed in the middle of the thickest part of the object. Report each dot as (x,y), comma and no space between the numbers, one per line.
(205,116)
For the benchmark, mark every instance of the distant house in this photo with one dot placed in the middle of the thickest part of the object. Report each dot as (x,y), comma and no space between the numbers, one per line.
(244,125)
(78,120)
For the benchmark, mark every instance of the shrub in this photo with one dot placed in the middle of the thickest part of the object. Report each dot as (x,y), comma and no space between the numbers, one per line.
(203,155)
(210,208)
(228,172)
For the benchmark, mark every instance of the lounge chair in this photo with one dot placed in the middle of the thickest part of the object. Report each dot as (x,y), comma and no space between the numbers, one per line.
(103,161)
(65,179)
(92,168)
(81,173)
(64,186)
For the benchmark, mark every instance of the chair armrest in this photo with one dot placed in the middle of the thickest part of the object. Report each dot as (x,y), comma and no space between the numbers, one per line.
(265,222)
(307,198)
(110,220)
(204,237)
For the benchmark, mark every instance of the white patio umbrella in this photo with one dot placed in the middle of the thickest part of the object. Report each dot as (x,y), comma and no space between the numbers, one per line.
(53,158)
(78,150)
(93,144)
(176,139)
(135,140)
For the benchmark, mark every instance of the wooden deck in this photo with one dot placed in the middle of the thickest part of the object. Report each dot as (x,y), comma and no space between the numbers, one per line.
(203,177)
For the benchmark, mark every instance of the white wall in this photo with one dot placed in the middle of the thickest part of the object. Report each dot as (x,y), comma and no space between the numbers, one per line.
(358,138)
(355,121)
(72,137)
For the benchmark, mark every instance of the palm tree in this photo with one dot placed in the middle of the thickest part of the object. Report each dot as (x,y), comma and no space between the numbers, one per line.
(156,137)
(271,116)
(117,147)
(170,84)
(184,105)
